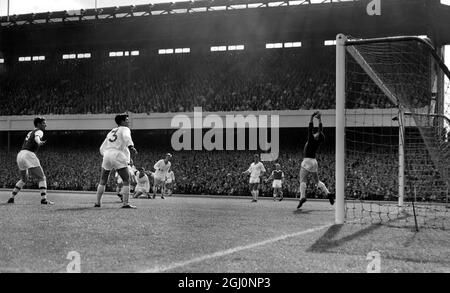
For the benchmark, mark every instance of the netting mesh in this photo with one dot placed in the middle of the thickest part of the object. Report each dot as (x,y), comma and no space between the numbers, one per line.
(389,85)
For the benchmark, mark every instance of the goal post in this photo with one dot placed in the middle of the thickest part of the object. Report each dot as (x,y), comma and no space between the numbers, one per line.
(389,131)
(340,129)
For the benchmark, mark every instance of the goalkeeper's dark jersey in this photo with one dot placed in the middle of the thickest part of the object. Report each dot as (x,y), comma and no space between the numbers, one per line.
(313,145)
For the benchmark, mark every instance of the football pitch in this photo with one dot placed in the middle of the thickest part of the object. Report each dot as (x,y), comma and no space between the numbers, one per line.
(204,234)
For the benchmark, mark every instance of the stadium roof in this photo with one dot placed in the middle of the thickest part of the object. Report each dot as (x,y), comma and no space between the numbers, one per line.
(153,9)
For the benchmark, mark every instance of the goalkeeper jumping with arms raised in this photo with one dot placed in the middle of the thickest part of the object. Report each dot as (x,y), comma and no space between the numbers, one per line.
(309,163)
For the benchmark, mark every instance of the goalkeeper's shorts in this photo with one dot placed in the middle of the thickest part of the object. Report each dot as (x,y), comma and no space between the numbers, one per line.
(310,165)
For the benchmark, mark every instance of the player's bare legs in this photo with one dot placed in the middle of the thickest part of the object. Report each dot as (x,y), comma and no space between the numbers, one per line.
(118,191)
(125,175)
(101,186)
(322,187)
(140,193)
(133,184)
(277,192)
(19,185)
(38,173)
(303,180)
(137,194)
(163,189)
(254,189)
(168,189)
(156,183)
(160,184)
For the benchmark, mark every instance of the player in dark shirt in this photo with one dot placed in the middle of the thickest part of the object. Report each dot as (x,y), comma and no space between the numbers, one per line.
(277,184)
(28,162)
(309,163)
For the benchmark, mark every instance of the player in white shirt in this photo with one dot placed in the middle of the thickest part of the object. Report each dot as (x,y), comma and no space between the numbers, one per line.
(143,184)
(170,179)
(256,170)
(162,167)
(115,150)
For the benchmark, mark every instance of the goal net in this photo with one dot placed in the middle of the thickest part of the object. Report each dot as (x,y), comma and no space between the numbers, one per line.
(392,142)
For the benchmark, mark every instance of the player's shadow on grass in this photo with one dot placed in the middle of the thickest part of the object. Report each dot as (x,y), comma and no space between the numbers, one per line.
(327,241)
(7,204)
(303,212)
(77,209)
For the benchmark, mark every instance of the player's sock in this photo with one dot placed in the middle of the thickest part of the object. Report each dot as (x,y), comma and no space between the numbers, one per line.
(281,195)
(126,194)
(256,194)
(100,190)
(43,189)
(19,185)
(322,187)
(302,190)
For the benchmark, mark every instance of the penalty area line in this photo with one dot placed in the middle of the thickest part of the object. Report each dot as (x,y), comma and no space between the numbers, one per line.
(175,265)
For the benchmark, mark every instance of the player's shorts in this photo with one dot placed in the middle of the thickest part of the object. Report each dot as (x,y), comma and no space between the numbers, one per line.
(254,180)
(310,165)
(142,189)
(158,181)
(114,160)
(276,184)
(27,160)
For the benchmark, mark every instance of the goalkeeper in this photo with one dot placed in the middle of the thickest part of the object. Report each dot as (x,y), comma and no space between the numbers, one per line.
(309,163)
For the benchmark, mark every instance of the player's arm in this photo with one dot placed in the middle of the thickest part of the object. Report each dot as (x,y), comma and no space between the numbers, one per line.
(321,135)
(102,147)
(311,126)
(38,137)
(126,134)
(270,177)
(263,169)
(312,116)
(132,149)
(248,171)
(319,117)
(156,166)
(282,177)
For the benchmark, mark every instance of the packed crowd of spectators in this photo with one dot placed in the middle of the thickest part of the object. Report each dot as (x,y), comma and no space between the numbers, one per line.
(202,172)
(369,175)
(225,81)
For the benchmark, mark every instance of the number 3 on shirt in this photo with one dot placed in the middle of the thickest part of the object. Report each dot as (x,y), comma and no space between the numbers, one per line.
(114,135)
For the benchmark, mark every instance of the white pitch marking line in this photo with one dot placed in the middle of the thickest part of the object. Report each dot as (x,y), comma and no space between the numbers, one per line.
(160,269)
